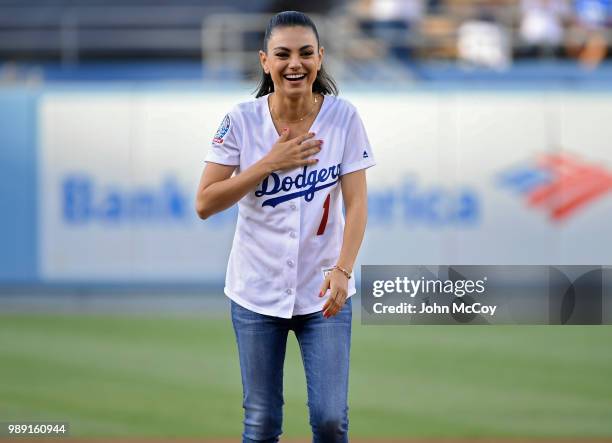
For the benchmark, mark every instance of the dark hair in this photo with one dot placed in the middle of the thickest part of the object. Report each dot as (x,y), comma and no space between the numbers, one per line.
(324,83)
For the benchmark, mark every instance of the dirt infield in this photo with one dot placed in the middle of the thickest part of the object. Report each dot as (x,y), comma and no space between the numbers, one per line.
(355,440)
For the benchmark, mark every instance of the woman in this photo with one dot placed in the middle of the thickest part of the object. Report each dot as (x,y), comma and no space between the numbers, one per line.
(299,153)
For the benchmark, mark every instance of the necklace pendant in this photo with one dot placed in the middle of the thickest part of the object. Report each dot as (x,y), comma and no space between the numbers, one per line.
(301,119)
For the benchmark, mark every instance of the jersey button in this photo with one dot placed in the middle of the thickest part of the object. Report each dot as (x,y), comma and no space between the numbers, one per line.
(289,291)
(293,206)
(291,263)
(292,234)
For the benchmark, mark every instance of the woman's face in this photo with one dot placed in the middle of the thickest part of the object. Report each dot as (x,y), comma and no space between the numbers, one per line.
(293,60)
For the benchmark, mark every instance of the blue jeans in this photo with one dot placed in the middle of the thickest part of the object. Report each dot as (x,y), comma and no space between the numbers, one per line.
(325,347)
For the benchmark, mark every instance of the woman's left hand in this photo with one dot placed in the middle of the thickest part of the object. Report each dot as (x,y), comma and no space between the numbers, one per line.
(337,283)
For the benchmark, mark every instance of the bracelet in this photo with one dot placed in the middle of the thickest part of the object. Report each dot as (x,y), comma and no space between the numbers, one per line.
(346,273)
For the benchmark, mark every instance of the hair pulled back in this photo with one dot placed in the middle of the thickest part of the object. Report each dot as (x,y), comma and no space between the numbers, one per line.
(324,83)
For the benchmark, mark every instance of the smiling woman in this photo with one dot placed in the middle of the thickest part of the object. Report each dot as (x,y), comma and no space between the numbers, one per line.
(293,251)
(293,74)
(299,36)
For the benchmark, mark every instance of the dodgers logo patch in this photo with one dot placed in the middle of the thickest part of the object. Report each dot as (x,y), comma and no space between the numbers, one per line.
(223,130)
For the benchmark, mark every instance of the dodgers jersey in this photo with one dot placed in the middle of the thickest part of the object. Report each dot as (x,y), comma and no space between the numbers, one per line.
(290,227)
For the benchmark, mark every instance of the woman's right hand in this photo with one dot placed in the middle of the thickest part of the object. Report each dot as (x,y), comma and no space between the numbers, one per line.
(292,153)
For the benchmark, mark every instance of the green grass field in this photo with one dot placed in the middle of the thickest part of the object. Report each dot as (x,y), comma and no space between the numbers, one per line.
(134,376)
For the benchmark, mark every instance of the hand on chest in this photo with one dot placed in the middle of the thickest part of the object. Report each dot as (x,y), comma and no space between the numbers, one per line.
(331,152)
(305,182)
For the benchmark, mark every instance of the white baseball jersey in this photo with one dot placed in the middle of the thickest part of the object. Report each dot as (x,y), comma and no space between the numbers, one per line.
(290,227)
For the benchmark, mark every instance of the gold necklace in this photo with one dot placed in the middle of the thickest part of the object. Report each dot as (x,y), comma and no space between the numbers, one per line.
(298,120)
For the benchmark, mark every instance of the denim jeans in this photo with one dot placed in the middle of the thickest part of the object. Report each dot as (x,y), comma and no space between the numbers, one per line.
(325,348)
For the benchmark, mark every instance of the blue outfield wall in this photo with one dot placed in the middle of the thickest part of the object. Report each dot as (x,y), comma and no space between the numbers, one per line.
(18,233)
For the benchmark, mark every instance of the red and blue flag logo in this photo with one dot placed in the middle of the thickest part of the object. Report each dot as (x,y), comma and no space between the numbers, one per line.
(559,184)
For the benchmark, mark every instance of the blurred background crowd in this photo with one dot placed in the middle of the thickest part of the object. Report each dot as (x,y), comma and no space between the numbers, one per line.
(391,40)
(489,32)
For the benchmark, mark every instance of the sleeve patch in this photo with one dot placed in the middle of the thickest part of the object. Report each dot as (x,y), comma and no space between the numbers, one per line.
(223,130)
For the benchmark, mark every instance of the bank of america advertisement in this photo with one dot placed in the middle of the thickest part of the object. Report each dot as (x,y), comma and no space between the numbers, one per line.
(461,178)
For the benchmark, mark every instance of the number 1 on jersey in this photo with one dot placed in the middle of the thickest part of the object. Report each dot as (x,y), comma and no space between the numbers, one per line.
(325,215)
